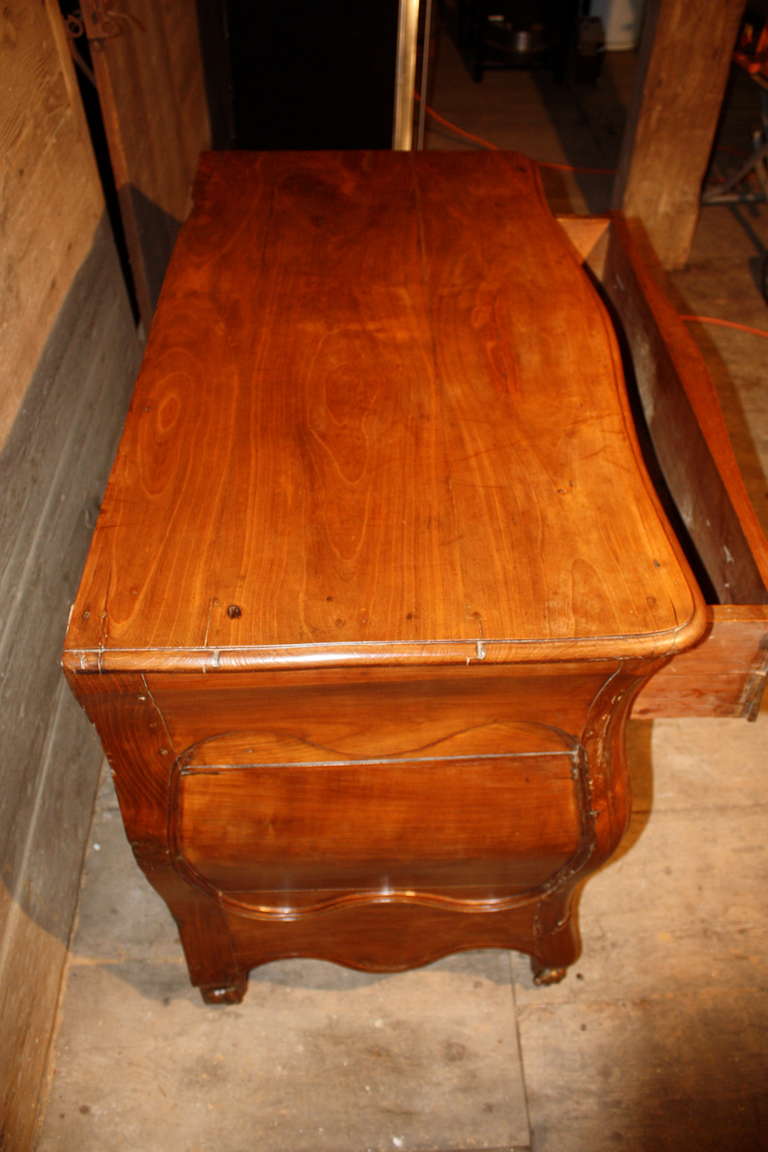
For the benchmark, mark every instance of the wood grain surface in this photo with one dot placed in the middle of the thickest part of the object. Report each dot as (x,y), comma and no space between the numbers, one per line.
(381,417)
(52,201)
(426,824)
(342,713)
(149,74)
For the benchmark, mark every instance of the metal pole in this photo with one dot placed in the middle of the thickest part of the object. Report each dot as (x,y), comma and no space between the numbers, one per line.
(405,75)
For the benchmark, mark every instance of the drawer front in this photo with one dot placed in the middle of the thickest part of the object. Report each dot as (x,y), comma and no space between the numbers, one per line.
(505,823)
(332,714)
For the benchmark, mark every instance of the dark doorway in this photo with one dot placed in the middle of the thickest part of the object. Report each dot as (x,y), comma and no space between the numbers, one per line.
(308,75)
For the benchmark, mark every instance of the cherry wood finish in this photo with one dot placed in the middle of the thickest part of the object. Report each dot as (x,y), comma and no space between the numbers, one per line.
(357,359)
(379,572)
(376,865)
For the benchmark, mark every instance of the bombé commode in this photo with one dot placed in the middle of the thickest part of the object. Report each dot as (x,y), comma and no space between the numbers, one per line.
(379,571)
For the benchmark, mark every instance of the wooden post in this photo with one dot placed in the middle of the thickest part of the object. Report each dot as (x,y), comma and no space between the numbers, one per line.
(682,71)
(149,75)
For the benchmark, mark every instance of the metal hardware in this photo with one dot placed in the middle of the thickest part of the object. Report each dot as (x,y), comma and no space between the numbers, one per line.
(75,25)
(754,685)
(75,29)
(108,21)
(729,192)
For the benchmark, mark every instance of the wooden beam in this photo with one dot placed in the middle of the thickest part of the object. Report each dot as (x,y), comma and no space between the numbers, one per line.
(51,198)
(149,73)
(684,61)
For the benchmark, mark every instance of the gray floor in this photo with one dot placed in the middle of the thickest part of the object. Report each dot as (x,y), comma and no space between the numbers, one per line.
(657,1040)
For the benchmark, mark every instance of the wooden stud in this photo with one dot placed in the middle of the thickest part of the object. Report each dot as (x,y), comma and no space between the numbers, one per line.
(684,60)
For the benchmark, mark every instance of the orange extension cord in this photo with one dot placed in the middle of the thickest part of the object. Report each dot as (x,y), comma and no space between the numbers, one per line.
(574,168)
(727,324)
(495,148)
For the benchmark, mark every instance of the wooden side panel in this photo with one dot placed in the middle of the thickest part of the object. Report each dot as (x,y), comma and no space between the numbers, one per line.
(149,71)
(70,349)
(37,901)
(684,61)
(724,675)
(52,470)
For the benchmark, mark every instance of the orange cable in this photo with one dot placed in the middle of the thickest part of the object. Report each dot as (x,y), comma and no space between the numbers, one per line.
(727,324)
(460,131)
(576,168)
(607,171)
(495,148)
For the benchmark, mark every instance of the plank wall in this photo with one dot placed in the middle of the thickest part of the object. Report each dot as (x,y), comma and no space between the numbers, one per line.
(69,355)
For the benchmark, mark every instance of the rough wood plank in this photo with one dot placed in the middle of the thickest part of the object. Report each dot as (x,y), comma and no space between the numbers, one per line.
(64,317)
(37,916)
(684,62)
(54,426)
(48,186)
(51,474)
(149,72)
(686,424)
(720,676)
(52,470)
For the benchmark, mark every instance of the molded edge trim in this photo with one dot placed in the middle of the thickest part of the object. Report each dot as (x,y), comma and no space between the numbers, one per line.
(652,645)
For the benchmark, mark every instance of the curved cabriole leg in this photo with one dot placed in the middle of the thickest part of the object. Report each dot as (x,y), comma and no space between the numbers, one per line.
(208,947)
(543,975)
(231,993)
(558,942)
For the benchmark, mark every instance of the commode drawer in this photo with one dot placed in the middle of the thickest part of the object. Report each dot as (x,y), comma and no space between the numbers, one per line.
(508,822)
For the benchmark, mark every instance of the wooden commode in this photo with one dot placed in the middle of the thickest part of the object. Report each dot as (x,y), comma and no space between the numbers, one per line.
(380,570)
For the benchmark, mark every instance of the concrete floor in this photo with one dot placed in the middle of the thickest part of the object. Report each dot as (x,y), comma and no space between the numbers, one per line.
(658,1040)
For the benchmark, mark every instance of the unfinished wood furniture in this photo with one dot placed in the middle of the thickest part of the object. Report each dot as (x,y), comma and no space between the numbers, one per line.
(380,570)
